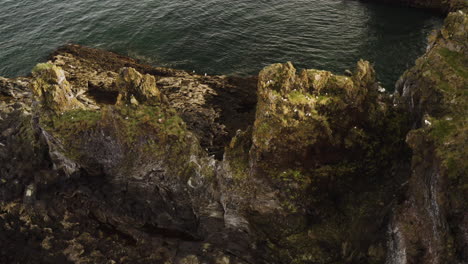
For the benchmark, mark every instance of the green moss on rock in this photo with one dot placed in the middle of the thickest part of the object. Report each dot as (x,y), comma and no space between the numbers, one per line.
(434,91)
(328,142)
(237,154)
(51,88)
(135,88)
(456,60)
(116,139)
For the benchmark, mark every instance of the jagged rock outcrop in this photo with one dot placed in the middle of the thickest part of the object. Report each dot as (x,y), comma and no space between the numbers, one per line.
(318,143)
(135,88)
(294,112)
(133,169)
(431,223)
(52,89)
(213,107)
(87,182)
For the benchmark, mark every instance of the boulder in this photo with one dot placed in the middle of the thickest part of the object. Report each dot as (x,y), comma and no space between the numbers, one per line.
(134,87)
(52,90)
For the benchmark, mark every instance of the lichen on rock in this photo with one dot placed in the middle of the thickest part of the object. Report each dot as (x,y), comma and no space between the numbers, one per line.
(316,136)
(296,112)
(52,89)
(135,88)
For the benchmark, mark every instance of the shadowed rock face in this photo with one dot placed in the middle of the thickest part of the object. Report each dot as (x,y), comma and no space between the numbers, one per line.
(105,160)
(432,220)
(121,179)
(327,144)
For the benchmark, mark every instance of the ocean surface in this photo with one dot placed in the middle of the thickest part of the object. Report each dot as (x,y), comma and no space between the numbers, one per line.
(219,36)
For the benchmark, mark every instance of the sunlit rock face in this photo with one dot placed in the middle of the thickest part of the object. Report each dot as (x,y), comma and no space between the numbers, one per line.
(51,88)
(295,113)
(134,88)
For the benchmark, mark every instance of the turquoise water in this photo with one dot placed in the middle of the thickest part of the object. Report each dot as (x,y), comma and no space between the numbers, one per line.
(219,36)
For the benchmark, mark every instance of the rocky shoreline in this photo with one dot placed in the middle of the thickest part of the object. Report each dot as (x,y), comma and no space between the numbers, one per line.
(107,160)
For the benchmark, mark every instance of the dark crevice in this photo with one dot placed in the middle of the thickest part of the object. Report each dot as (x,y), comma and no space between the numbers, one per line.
(103,97)
(236,102)
(154,230)
(110,230)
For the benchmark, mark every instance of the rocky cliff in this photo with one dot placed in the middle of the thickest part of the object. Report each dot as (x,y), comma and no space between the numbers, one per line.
(104,164)
(106,160)
(431,224)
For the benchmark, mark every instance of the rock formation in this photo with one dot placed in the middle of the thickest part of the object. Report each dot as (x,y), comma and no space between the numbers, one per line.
(432,222)
(106,160)
(139,179)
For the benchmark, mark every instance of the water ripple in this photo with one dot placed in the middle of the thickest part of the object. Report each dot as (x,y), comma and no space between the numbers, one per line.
(218,36)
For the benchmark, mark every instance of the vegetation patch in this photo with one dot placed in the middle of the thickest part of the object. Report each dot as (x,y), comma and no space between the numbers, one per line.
(42,67)
(455,60)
